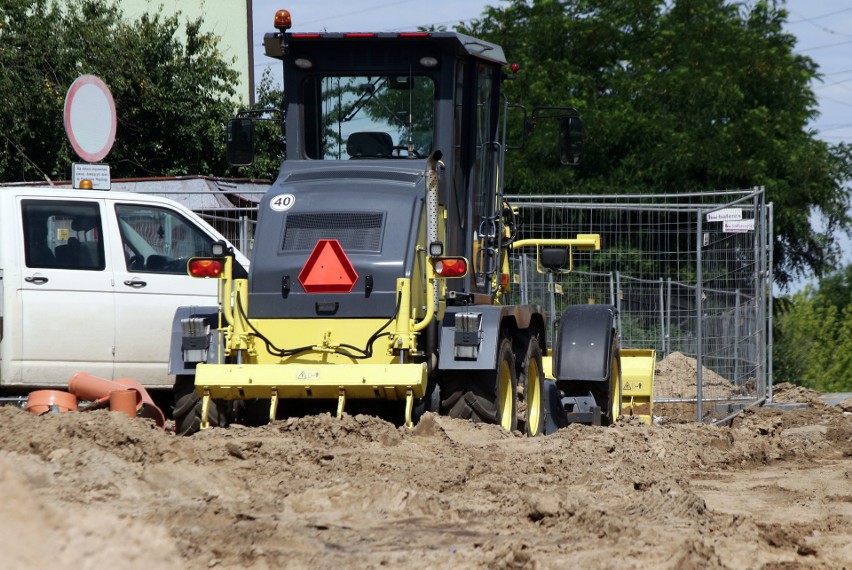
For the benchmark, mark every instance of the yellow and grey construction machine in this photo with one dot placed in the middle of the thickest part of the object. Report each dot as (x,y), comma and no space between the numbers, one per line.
(379,276)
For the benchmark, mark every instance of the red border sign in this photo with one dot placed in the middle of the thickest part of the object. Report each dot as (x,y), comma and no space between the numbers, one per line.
(90,118)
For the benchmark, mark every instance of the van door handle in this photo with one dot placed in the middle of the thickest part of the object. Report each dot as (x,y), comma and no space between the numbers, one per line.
(136,283)
(36,279)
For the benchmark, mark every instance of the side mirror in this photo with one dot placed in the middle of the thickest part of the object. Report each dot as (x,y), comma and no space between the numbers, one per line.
(219,249)
(570,141)
(240,142)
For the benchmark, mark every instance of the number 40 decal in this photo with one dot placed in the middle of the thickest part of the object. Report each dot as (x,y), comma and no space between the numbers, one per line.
(282,202)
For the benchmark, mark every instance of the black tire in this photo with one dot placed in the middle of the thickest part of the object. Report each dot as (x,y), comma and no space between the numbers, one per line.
(556,416)
(187,412)
(485,396)
(608,394)
(430,402)
(531,409)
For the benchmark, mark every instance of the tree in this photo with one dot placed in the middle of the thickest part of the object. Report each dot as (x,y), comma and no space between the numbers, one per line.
(679,96)
(813,338)
(173,91)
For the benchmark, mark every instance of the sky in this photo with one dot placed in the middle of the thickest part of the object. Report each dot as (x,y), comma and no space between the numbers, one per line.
(823,29)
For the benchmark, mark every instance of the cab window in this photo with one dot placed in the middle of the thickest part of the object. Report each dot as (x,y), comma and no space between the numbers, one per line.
(158,240)
(368,117)
(63,235)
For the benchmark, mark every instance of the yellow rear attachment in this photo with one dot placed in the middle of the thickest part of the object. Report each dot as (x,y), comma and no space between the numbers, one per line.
(307,381)
(637,382)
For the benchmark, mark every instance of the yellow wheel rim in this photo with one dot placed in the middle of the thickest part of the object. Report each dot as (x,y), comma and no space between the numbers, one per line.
(533,398)
(616,390)
(506,410)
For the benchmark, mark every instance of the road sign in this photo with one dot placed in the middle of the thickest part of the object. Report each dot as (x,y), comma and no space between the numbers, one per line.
(90,118)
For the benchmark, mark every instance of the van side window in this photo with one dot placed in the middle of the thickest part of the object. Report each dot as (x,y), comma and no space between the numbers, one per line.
(159,240)
(63,235)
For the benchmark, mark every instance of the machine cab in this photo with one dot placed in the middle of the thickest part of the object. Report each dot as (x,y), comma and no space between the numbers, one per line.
(394,98)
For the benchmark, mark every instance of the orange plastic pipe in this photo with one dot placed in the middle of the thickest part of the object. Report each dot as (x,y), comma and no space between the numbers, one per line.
(123,401)
(91,388)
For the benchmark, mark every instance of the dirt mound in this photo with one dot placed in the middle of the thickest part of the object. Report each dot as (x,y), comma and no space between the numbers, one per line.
(677,377)
(99,489)
(790,393)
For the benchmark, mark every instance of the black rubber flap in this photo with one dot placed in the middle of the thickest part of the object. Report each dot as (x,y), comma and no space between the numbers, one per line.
(583,348)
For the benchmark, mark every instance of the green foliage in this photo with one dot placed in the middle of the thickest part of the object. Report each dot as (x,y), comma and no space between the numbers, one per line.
(835,290)
(813,340)
(678,97)
(173,90)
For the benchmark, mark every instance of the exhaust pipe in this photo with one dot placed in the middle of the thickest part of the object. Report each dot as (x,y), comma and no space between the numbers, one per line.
(432,210)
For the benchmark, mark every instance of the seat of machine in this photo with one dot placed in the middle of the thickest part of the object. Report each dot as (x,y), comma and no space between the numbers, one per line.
(369,145)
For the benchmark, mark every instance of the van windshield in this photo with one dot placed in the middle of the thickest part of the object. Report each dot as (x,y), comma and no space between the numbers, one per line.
(368,117)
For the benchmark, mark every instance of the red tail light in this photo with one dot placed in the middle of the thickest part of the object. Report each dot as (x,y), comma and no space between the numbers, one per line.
(205,267)
(451,267)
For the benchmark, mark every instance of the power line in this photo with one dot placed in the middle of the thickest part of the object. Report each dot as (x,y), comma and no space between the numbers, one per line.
(804,19)
(826,46)
(823,28)
(445,22)
(840,83)
(837,101)
(355,12)
(837,73)
(836,137)
(835,127)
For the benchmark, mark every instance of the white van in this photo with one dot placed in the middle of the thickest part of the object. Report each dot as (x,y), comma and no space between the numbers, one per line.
(90,281)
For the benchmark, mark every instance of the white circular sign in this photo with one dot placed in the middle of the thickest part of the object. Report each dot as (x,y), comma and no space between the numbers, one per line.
(282,202)
(90,118)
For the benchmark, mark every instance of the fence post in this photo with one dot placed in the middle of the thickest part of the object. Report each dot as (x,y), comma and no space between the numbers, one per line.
(737,337)
(769,230)
(618,303)
(244,235)
(668,346)
(760,292)
(662,321)
(699,340)
(611,289)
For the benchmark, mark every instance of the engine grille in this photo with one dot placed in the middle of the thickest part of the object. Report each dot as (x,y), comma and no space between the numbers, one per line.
(361,231)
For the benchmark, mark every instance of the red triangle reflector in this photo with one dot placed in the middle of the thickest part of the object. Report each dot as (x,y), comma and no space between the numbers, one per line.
(328,269)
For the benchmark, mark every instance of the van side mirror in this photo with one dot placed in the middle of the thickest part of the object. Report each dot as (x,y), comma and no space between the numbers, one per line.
(570,141)
(240,142)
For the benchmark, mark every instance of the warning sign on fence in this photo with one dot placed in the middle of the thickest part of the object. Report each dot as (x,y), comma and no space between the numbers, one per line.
(738,226)
(725,214)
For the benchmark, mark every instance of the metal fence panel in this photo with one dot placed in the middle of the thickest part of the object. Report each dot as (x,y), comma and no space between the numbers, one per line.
(689,275)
